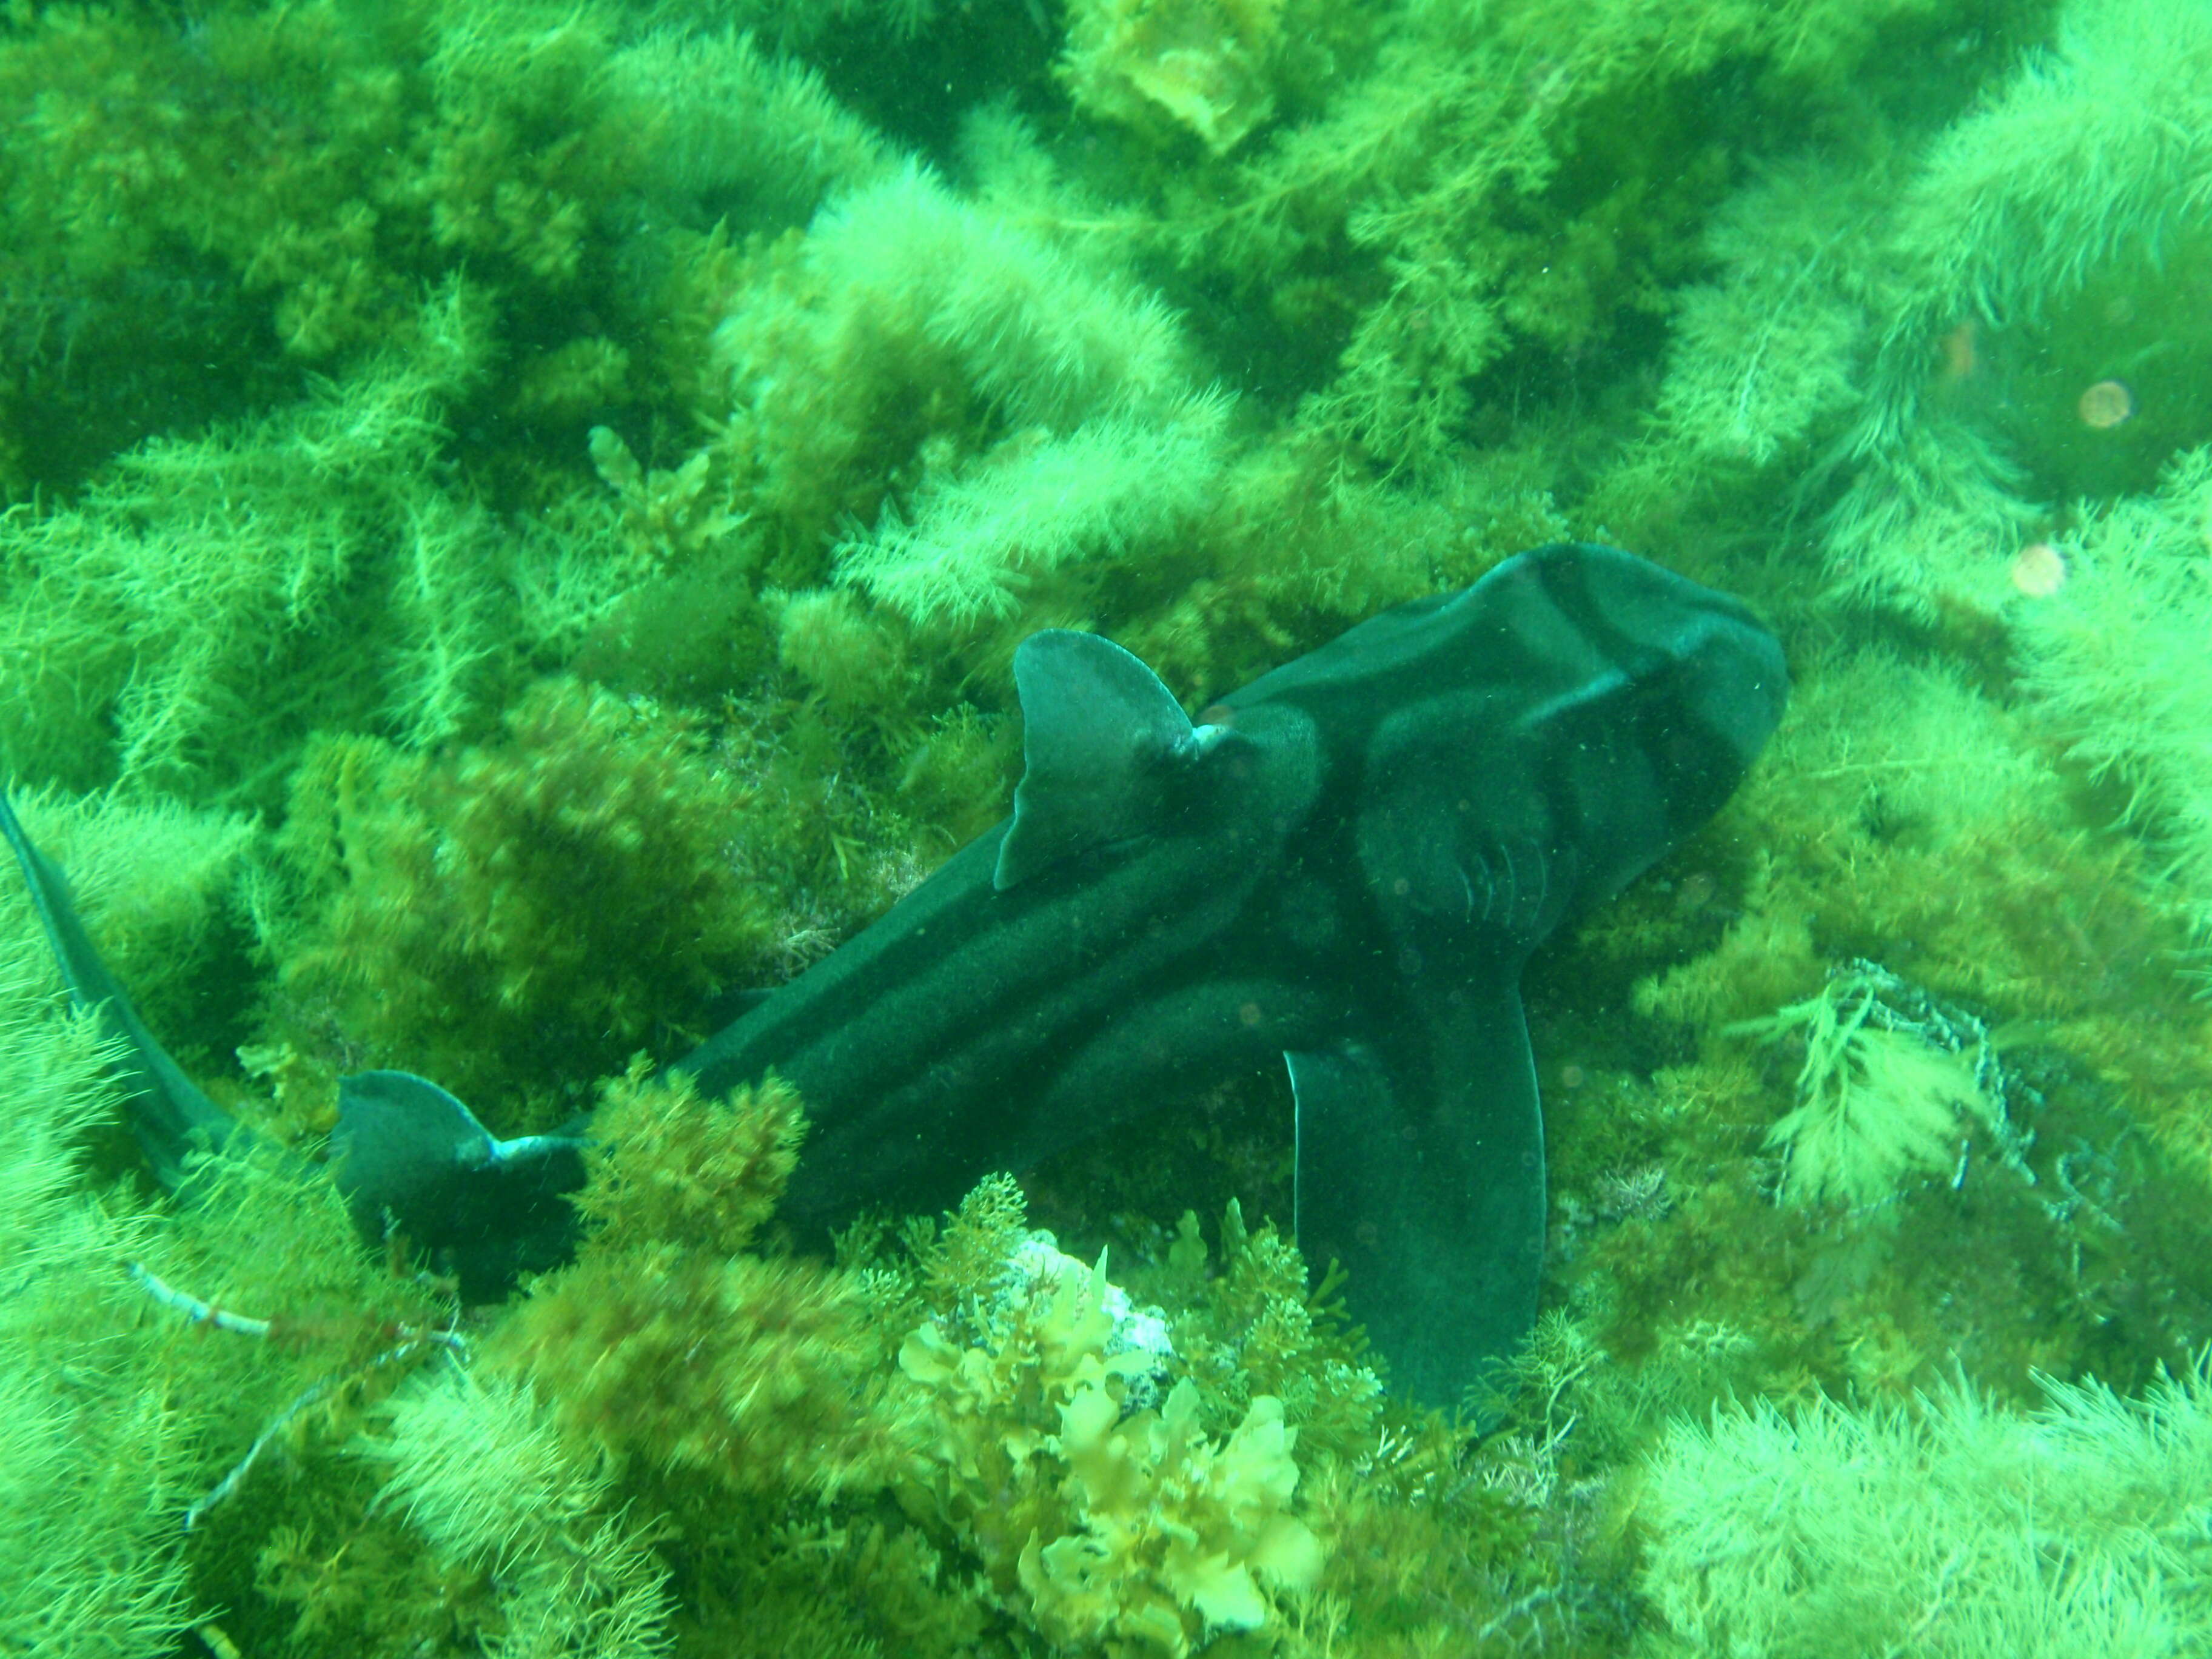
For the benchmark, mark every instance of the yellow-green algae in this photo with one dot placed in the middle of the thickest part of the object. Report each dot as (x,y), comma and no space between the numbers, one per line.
(521,517)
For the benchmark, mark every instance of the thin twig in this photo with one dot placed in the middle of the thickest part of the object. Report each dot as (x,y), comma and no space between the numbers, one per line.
(198,1312)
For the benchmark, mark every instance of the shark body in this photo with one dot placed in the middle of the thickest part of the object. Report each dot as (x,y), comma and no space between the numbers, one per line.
(1344,865)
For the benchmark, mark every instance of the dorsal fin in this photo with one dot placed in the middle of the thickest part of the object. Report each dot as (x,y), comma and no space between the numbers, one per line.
(1102,742)
(410,1158)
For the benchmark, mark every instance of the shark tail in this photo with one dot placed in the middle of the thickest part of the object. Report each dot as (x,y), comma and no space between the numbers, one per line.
(169,1115)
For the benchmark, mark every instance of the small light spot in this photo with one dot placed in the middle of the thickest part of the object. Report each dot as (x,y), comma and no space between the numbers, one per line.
(2039,570)
(2105,404)
(1957,348)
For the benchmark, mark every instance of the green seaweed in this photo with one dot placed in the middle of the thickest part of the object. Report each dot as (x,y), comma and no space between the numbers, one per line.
(579,475)
(514,913)
(1958,1529)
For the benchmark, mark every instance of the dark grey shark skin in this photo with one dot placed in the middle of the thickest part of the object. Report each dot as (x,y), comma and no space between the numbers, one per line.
(1347,865)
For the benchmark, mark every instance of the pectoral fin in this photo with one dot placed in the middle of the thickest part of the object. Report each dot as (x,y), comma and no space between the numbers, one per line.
(1420,1168)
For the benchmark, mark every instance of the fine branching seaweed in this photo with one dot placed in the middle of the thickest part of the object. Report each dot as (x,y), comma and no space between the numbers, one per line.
(517,518)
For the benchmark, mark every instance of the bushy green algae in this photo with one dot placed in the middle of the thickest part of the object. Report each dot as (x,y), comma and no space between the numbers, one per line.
(516,448)
(522,910)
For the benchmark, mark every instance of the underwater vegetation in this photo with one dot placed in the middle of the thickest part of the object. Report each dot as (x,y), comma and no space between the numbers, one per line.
(517,518)
(1951,1528)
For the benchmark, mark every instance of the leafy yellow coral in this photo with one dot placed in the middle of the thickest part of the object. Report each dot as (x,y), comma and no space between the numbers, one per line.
(1027,1350)
(1200,64)
(1094,1525)
(1172,1525)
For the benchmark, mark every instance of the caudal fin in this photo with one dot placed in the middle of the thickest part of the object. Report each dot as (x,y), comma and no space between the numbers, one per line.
(168,1113)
